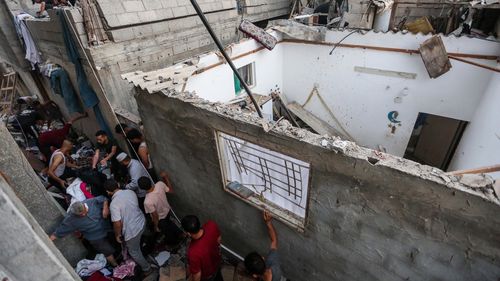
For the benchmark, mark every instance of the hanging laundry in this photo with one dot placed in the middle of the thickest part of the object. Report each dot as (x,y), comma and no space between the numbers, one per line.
(61,85)
(89,97)
(32,53)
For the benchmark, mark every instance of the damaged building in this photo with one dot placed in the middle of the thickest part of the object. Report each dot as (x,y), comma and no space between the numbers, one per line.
(357,138)
(352,208)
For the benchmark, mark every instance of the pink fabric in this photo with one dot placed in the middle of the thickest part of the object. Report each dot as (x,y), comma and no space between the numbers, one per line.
(83,187)
(125,269)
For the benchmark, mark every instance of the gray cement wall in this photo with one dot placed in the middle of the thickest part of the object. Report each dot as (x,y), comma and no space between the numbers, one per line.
(153,34)
(29,190)
(392,220)
(27,253)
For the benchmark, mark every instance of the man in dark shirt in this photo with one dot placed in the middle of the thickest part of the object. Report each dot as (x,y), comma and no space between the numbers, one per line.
(204,256)
(267,269)
(105,155)
(50,140)
(90,218)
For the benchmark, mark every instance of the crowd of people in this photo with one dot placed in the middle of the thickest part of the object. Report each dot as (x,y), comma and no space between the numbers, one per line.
(130,201)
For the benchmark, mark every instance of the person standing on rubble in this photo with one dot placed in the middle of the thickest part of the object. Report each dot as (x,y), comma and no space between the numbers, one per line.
(268,268)
(105,154)
(90,218)
(157,206)
(137,140)
(128,222)
(204,255)
(135,171)
(60,166)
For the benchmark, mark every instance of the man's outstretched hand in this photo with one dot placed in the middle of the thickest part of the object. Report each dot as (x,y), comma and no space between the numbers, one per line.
(267,216)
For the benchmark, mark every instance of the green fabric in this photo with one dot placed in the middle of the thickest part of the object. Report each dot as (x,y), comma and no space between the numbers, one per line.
(237,85)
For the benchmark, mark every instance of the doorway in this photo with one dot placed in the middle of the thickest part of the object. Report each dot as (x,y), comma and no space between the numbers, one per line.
(434,140)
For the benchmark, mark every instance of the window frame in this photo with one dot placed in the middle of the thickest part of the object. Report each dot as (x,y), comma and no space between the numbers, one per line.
(251,76)
(287,217)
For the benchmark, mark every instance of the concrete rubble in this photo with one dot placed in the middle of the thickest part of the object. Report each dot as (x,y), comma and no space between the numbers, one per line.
(479,185)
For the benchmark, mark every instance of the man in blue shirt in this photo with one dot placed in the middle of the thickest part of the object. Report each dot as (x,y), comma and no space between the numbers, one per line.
(90,218)
(268,268)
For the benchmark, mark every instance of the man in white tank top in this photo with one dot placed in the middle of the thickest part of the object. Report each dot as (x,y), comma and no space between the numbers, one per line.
(59,166)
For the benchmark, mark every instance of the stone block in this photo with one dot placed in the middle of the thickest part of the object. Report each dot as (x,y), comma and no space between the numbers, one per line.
(128,18)
(168,3)
(228,4)
(143,30)
(133,6)
(121,35)
(165,13)
(111,21)
(160,27)
(111,8)
(179,48)
(147,16)
(152,4)
(179,11)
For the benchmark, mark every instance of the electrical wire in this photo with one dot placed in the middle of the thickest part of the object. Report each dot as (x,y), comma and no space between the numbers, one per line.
(345,37)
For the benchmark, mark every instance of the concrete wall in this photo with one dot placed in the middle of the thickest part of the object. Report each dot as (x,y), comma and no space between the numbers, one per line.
(217,83)
(395,220)
(27,253)
(29,190)
(356,97)
(480,145)
(153,34)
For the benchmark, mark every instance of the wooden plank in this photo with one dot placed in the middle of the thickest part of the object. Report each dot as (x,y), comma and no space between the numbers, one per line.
(435,57)
(318,125)
(481,170)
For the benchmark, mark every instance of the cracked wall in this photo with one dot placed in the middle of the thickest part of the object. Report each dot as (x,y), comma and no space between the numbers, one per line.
(383,219)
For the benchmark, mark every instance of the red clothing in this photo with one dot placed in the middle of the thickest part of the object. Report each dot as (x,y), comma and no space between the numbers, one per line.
(204,254)
(54,138)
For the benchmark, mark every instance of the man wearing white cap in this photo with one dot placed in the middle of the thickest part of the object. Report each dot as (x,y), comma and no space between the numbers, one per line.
(135,171)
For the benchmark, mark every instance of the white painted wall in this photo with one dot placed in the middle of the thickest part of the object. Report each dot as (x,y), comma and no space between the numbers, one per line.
(217,84)
(360,101)
(480,145)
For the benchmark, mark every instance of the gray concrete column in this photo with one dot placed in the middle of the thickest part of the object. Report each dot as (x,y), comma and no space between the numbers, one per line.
(29,190)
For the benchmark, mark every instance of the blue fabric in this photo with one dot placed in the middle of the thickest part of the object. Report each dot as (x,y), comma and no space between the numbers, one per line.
(93,226)
(61,85)
(87,94)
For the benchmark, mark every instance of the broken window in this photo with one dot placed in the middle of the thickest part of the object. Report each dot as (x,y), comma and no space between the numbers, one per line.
(247,74)
(265,178)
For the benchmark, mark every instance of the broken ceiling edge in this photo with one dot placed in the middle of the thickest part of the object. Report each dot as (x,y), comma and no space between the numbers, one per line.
(483,190)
